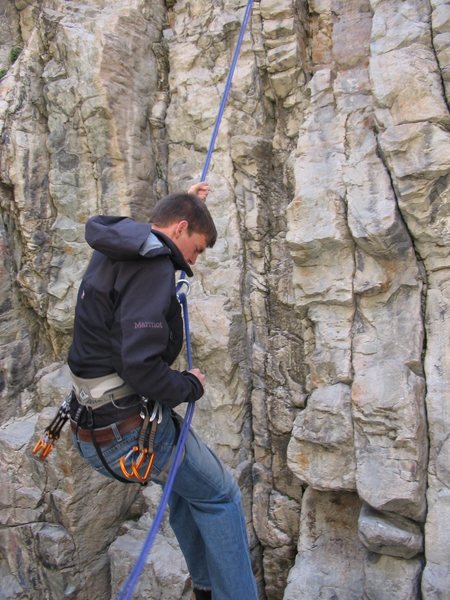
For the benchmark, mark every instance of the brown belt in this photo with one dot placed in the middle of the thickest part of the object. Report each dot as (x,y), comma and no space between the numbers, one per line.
(105,435)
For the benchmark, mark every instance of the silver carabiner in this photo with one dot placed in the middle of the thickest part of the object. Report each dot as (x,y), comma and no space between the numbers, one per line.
(180,284)
(157,411)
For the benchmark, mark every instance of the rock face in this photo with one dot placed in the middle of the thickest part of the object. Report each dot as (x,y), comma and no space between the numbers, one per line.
(321,316)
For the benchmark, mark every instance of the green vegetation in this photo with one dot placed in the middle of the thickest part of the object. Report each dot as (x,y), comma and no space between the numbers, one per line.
(14,54)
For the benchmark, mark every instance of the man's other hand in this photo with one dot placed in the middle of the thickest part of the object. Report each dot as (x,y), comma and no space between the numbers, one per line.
(200,189)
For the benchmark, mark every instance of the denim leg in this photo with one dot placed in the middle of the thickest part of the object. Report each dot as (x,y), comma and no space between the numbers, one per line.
(190,540)
(214,502)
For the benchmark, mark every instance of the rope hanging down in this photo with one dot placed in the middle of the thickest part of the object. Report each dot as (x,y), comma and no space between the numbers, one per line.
(131,581)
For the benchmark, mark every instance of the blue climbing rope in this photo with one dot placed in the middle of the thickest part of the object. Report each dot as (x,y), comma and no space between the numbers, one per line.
(226,92)
(131,581)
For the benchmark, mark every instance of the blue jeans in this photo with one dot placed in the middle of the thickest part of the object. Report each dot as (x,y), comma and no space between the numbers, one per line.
(205,510)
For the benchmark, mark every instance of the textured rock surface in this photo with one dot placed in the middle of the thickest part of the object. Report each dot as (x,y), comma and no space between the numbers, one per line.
(389,534)
(330,558)
(320,451)
(321,317)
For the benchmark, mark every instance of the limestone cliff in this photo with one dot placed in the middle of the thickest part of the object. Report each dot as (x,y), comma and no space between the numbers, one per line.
(321,317)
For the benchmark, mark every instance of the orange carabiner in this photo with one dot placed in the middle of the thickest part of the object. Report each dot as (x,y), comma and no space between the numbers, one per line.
(122,461)
(136,465)
(142,456)
(43,446)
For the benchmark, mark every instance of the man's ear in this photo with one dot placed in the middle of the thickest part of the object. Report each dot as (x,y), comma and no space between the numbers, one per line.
(181,226)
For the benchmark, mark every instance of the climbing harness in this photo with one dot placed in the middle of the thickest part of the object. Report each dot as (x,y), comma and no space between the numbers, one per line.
(127,589)
(91,394)
(98,391)
(47,441)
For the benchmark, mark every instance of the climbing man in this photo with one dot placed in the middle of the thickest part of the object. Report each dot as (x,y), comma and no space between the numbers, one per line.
(127,333)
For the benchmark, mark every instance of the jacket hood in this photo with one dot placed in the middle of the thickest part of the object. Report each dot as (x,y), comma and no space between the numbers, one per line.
(122,238)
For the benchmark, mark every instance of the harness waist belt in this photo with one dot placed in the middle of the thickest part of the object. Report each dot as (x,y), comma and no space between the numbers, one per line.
(106,435)
(98,391)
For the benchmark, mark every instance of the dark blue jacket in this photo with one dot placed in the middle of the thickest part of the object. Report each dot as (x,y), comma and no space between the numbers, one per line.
(127,316)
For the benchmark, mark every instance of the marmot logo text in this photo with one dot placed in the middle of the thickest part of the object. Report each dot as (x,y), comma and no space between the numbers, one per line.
(147,325)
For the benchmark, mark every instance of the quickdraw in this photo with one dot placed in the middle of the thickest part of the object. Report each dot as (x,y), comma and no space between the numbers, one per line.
(51,434)
(142,456)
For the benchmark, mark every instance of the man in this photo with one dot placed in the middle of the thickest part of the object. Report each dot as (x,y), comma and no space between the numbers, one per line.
(127,333)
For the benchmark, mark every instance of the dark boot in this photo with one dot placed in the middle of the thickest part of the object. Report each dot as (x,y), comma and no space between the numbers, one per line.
(201,594)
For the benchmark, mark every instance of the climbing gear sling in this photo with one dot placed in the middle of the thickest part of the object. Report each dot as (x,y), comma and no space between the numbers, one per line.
(51,434)
(144,452)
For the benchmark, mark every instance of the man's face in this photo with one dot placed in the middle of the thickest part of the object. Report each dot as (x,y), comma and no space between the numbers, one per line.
(191,245)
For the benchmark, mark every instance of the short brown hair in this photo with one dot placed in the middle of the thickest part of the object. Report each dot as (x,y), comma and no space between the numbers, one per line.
(185,207)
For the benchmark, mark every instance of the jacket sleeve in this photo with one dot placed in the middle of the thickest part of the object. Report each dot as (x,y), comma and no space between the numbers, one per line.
(144,332)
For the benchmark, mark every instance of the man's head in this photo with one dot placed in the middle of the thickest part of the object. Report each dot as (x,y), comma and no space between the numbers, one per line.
(185,219)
